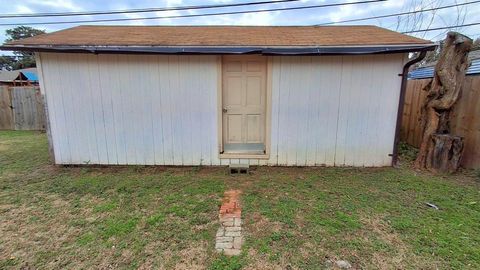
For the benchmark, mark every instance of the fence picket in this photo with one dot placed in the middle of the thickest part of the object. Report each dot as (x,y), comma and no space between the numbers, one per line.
(6,117)
(21,108)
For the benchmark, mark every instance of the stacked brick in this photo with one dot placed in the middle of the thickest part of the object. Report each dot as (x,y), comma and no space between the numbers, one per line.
(229,237)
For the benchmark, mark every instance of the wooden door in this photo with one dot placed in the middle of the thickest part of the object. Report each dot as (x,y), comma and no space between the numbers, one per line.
(243,98)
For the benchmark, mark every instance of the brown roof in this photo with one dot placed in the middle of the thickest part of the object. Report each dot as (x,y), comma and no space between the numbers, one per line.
(289,36)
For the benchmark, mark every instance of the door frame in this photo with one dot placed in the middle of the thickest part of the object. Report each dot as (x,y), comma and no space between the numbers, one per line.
(268,110)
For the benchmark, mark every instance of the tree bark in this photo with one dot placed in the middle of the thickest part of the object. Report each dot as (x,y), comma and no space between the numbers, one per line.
(443,93)
(446,153)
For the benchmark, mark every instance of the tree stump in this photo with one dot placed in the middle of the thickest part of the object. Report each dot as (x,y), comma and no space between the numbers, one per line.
(443,92)
(445,154)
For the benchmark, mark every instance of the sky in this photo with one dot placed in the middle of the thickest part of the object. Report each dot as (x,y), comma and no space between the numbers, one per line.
(440,18)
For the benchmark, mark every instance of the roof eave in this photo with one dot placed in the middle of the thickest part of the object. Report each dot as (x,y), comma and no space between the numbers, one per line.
(266,50)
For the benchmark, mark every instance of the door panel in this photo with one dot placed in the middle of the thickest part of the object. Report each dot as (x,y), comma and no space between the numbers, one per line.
(254,129)
(233,66)
(243,97)
(233,93)
(254,91)
(234,128)
(254,66)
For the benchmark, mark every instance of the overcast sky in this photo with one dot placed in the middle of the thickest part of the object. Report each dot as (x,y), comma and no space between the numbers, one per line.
(445,17)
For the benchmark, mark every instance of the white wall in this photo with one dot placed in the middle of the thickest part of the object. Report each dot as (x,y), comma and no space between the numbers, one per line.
(336,110)
(144,109)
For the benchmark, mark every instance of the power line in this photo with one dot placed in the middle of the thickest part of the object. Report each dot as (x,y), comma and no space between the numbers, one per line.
(399,14)
(441,28)
(195,15)
(439,35)
(126,11)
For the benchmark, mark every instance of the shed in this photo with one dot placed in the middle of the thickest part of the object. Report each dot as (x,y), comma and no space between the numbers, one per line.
(219,95)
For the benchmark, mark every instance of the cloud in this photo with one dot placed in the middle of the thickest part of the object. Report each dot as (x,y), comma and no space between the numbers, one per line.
(66,5)
(174,3)
(359,11)
(243,19)
(23,9)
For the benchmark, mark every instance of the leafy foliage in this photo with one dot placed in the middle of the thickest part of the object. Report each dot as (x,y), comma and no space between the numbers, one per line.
(21,59)
(21,32)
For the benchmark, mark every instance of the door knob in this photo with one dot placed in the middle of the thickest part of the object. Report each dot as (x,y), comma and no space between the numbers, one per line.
(224,110)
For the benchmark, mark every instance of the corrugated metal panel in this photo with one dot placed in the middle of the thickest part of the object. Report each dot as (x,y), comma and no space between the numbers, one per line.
(474,68)
(133,109)
(427,72)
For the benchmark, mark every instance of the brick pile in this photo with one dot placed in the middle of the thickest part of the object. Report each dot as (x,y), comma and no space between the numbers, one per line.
(229,236)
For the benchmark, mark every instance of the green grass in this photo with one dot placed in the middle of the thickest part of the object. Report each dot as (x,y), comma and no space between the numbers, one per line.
(294,218)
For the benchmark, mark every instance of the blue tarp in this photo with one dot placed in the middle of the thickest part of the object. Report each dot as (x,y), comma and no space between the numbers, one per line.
(31,75)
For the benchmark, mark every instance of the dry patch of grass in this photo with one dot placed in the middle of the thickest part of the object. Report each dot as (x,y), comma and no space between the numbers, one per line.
(192,257)
(398,255)
(26,225)
(387,235)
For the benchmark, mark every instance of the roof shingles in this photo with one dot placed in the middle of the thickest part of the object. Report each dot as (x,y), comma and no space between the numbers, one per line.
(272,36)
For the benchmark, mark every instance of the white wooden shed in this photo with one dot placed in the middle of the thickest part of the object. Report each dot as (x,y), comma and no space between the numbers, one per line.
(218,95)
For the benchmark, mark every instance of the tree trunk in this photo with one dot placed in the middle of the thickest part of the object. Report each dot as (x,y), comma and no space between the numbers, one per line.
(443,93)
(446,153)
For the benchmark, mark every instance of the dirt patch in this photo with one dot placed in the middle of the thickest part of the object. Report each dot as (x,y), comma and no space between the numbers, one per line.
(192,257)
(261,262)
(258,227)
(4,147)
(402,257)
(31,231)
(383,231)
(146,265)
(28,231)
(259,223)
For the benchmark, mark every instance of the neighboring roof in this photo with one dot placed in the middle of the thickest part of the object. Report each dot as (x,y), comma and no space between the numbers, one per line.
(471,56)
(30,73)
(427,72)
(9,75)
(15,75)
(220,39)
(474,55)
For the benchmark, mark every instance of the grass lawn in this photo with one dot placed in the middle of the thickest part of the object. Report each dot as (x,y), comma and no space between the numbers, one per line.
(54,217)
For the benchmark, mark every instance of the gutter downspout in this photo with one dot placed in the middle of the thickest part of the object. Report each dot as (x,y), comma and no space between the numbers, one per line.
(401,101)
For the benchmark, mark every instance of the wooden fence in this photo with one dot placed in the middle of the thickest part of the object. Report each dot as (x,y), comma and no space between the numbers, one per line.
(21,108)
(465,120)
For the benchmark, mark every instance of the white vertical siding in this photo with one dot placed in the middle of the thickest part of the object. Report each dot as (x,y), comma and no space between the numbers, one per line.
(132,109)
(334,110)
(149,109)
